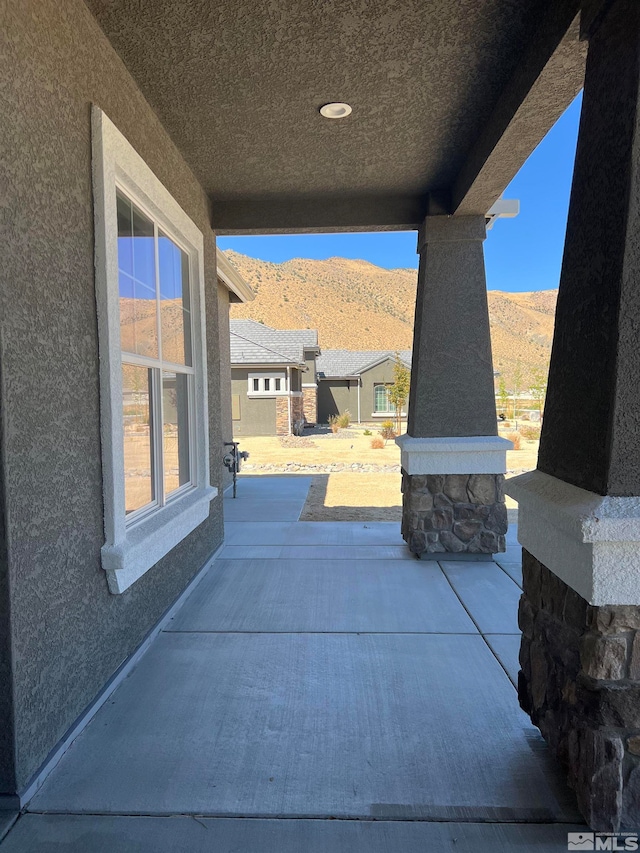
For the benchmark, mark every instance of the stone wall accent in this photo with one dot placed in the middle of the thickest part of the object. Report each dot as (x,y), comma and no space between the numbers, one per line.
(310,398)
(297,408)
(454,513)
(282,416)
(580,684)
(283,427)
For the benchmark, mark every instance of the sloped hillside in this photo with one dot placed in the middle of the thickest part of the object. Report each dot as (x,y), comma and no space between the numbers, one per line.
(356,305)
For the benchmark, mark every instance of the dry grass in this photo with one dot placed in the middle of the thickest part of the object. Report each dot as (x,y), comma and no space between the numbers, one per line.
(377,443)
(354,497)
(516,438)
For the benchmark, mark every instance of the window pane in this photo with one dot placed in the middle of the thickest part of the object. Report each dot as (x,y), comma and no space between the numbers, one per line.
(256,384)
(277,381)
(267,384)
(175,302)
(125,234)
(144,258)
(175,409)
(139,487)
(137,285)
(380,399)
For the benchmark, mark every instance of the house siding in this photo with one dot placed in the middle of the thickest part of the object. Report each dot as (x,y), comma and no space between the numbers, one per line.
(67,632)
(257,414)
(336,396)
(380,374)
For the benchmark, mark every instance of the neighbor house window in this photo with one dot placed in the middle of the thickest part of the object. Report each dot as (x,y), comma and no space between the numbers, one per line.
(267,384)
(381,402)
(150,299)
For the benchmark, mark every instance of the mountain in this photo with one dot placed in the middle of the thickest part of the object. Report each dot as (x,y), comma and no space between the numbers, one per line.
(357,305)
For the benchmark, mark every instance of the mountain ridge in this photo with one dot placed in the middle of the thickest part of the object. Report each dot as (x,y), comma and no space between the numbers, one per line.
(357,305)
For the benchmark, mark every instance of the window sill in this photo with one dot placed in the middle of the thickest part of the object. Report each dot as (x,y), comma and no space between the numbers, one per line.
(390,416)
(147,542)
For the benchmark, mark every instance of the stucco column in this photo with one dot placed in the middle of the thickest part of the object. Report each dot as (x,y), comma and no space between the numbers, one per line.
(453,461)
(579,513)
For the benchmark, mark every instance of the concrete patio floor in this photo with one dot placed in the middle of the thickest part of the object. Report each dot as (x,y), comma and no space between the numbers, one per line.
(320,690)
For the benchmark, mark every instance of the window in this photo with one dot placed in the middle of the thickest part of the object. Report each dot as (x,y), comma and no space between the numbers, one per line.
(157,368)
(381,402)
(150,298)
(267,384)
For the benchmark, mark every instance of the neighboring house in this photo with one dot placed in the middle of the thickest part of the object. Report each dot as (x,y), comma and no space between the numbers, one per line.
(273,378)
(357,382)
(232,288)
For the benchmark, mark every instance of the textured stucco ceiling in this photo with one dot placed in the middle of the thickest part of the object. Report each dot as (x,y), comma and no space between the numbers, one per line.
(238,86)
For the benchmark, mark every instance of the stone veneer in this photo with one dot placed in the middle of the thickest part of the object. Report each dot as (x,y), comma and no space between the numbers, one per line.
(580,684)
(282,412)
(454,513)
(310,402)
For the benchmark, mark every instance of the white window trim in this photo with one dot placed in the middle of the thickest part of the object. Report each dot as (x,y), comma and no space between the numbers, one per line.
(388,412)
(130,550)
(283,392)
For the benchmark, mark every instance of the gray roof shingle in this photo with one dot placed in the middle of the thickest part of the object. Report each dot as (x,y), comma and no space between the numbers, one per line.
(344,362)
(255,343)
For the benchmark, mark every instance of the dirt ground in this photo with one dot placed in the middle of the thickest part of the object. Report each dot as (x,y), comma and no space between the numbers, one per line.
(351,480)
(354,497)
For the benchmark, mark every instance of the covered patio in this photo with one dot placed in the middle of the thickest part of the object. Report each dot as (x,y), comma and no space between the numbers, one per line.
(326,684)
(316,671)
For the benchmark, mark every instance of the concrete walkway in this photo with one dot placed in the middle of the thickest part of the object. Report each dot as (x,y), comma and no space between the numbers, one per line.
(328,686)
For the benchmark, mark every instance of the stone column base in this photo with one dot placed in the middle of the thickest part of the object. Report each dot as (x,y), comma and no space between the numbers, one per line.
(580,684)
(460,515)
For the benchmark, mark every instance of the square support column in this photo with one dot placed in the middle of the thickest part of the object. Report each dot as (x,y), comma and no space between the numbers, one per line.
(453,461)
(579,513)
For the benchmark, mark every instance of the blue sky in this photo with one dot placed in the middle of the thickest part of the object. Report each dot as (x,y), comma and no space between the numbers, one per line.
(521,254)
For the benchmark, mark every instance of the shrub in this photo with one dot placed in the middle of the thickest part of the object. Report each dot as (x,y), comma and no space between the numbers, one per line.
(377,442)
(531,433)
(515,438)
(333,423)
(344,420)
(387,431)
(367,432)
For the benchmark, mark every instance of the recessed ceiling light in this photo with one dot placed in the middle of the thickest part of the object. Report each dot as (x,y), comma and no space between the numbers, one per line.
(335,110)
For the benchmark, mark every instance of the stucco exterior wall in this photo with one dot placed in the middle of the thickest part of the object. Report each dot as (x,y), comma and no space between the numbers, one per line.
(257,414)
(335,396)
(296,379)
(381,374)
(68,633)
(309,375)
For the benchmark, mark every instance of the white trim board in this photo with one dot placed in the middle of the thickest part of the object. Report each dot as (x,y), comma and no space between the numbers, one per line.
(478,454)
(590,541)
(132,549)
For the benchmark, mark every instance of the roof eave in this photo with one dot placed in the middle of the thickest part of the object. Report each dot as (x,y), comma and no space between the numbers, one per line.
(232,279)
